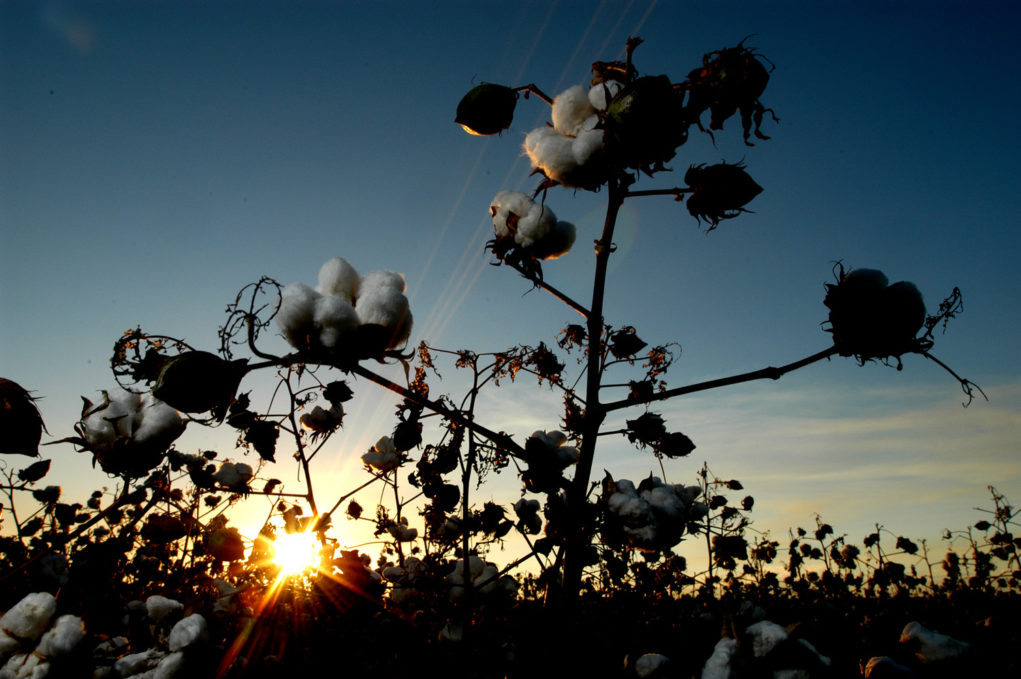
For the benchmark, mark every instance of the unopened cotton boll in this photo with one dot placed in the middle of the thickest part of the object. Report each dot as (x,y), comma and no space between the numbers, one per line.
(294,317)
(188,631)
(67,632)
(571,108)
(338,278)
(28,618)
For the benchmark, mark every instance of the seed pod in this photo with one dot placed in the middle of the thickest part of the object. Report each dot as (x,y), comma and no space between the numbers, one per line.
(644,123)
(21,426)
(719,191)
(872,320)
(198,381)
(486,109)
(226,544)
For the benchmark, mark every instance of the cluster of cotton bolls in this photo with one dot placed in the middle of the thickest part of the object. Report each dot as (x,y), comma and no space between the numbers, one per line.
(483,576)
(29,645)
(403,580)
(653,516)
(570,152)
(331,319)
(767,645)
(141,421)
(531,226)
(547,457)
(35,646)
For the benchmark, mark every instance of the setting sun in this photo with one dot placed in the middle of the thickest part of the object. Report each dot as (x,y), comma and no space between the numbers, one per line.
(296,552)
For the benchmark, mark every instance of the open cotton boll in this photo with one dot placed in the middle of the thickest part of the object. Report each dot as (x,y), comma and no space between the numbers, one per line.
(718,664)
(650,663)
(534,225)
(600,95)
(28,618)
(160,607)
(294,317)
(507,208)
(383,306)
(66,633)
(188,631)
(335,318)
(337,277)
(25,666)
(138,662)
(557,242)
(377,280)
(586,144)
(570,109)
(159,423)
(107,424)
(170,666)
(766,636)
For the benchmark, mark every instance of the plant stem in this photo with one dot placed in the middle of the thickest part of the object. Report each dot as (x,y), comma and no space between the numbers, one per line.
(770,373)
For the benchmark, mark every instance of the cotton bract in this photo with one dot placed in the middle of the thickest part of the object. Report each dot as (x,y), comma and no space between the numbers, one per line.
(347,316)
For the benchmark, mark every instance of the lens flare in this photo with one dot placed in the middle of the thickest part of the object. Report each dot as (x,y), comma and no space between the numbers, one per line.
(296,552)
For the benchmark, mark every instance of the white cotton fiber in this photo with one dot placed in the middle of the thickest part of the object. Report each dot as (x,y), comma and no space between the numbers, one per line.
(570,110)
(649,663)
(507,208)
(380,280)
(337,277)
(138,662)
(160,607)
(334,318)
(557,242)
(66,633)
(117,419)
(600,95)
(294,318)
(765,637)
(718,664)
(382,306)
(8,644)
(28,618)
(25,666)
(188,631)
(586,144)
(159,424)
(534,225)
(170,666)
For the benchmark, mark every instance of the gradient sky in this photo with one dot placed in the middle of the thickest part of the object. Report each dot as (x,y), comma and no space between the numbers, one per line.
(155,157)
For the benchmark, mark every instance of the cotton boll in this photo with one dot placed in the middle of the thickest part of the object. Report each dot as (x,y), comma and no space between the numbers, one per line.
(586,144)
(138,662)
(25,666)
(159,608)
(718,664)
(383,456)
(294,317)
(170,666)
(335,318)
(765,637)
(932,646)
(28,618)
(8,644)
(66,633)
(338,278)
(159,424)
(600,95)
(401,532)
(507,208)
(383,306)
(104,425)
(557,242)
(650,664)
(376,280)
(570,109)
(187,632)
(534,225)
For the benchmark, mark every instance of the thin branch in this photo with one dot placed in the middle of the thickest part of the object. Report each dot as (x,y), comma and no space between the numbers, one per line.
(967,386)
(540,283)
(531,88)
(765,373)
(676,192)
(500,439)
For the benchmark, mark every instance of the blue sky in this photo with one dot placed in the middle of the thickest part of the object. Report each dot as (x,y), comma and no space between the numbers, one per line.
(156,157)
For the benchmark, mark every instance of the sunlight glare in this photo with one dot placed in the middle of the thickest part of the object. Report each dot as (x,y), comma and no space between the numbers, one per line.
(296,552)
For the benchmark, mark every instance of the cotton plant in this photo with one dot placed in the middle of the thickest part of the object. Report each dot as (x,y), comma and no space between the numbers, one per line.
(347,316)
